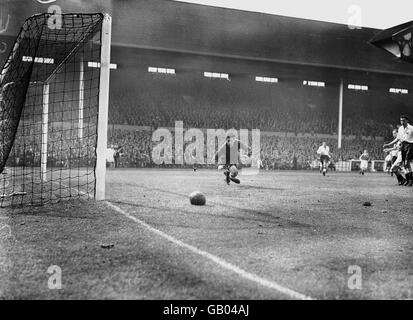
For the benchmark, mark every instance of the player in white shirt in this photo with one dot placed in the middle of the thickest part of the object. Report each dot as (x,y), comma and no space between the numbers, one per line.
(364,162)
(387,161)
(391,154)
(405,137)
(110,156)
(397,163)
(324,153)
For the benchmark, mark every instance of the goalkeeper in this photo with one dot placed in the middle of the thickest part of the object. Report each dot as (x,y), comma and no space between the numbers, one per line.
(228,156)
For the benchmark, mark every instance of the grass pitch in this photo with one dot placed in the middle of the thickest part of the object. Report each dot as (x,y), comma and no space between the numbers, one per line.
(298,229)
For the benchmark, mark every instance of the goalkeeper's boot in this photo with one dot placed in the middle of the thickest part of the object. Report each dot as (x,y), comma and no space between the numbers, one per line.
(406,183)
(410,184)
(400,179)
(236,180)
(227,179)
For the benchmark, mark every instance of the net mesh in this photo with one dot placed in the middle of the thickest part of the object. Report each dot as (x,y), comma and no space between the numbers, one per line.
(49,107)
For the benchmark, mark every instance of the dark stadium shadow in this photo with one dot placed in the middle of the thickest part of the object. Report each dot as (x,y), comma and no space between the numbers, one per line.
(276,220)
(211,202)
(260,216)
(270,220)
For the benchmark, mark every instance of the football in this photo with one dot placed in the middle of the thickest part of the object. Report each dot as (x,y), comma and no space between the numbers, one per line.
(234,171)
(197,198)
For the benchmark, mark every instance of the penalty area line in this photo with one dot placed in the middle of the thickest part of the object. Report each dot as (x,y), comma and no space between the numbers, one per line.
(222,263)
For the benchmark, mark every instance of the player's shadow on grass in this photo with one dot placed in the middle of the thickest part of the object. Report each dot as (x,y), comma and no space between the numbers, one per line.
(203,214)
(260,216)
(268,220)
(247,187)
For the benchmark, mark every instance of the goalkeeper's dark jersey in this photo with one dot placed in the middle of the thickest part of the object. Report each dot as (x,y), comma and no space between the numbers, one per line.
(229,153)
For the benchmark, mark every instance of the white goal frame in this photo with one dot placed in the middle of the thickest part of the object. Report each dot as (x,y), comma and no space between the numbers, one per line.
(102,138)
(102,126)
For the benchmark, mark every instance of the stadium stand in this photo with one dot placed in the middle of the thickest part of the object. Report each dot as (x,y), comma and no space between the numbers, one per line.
(276,152)
(302,117)
(284,107)
(304,114)
(139,98)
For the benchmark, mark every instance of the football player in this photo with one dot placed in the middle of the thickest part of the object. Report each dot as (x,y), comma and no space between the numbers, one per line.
(405,137)
(324,153)
(228,156)
(364,162)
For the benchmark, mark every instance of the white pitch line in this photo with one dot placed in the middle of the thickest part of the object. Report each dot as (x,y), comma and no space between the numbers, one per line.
(224,264)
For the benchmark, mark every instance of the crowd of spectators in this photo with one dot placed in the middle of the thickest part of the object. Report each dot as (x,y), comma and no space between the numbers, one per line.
(159,101)
(65,149)
(300,152)
(276,152)
(135,147)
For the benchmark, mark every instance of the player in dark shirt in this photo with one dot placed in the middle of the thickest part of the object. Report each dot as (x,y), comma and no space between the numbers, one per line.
(228,158)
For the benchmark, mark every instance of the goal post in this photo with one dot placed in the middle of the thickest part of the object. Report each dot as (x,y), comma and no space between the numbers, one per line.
(103,108)
(54,111)
(81,96)
(45,132)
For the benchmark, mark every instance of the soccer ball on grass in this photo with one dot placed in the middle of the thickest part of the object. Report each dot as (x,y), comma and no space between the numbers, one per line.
(197,198)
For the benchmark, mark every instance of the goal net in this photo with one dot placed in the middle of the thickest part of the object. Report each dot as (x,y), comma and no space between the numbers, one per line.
(53,110)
